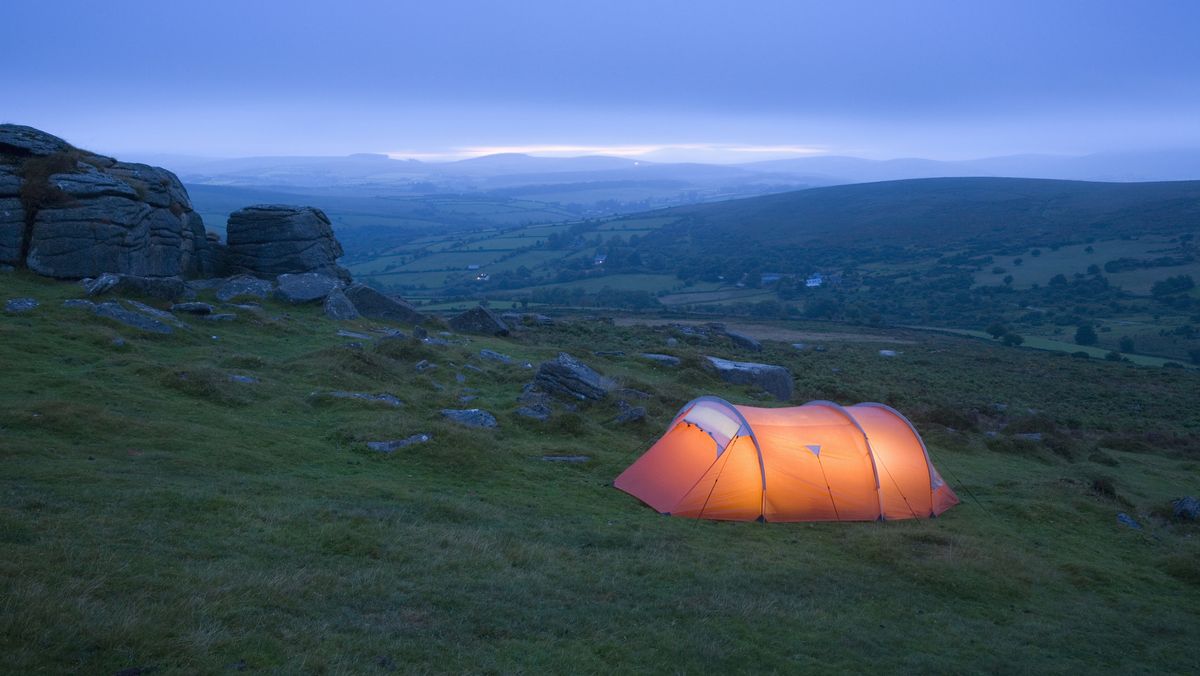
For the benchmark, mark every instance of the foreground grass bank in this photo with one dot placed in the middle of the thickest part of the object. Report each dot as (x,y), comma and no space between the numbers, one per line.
(155,513)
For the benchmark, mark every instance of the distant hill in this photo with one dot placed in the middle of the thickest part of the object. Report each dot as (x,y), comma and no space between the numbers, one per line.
(943,210)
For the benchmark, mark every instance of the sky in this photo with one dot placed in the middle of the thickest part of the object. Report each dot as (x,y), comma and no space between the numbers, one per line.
(694,80)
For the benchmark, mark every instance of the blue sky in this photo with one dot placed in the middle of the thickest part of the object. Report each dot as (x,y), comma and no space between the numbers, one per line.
(662,80)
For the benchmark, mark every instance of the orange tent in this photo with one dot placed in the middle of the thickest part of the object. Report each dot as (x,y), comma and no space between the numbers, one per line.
(816,462)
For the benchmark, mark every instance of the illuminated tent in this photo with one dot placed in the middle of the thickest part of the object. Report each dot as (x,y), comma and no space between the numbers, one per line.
(816,462)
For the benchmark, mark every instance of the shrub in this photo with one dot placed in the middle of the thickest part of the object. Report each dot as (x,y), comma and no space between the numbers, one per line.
(1012,339)
(1085,335)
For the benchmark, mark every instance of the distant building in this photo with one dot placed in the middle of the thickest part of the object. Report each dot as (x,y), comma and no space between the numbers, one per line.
(599,259)
(814,281)
(473,266)
(482,277)
(768,278)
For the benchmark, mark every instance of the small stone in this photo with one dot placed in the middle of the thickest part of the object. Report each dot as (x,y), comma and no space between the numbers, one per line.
(800,346)
(480,320)
(630,415)
(566,458)
(471,417)
(137,320)
(467,398)
(235,378)
(609,353)
(1127,520)
(381,398)
(887,353)
(397,444)
(425,365)
(742,340)
(220,317)
(672,342)
(1028,436)
(20,305)
(79,304)
(343,333)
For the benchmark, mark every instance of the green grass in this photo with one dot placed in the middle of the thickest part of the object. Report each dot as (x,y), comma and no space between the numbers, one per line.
(193,524)
(1063,346)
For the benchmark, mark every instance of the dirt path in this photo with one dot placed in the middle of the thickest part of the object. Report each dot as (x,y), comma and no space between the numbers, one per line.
(768,332)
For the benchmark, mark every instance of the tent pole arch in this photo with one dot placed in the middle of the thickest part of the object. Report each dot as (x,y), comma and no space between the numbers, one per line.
(913,429)
(762,468)
(870,451)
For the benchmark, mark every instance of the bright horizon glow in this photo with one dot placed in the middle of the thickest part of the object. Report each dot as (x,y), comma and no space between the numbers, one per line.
(716,153)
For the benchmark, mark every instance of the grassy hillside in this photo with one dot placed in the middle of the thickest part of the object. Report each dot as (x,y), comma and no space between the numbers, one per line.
(941,211)
(156,514)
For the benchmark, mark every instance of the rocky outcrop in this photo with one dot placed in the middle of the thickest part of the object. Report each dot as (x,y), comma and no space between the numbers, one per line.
(774,379)
(375,305)
(339,308)
(68,213)
(470,417)
(166,288)
(479,320)
(274,239)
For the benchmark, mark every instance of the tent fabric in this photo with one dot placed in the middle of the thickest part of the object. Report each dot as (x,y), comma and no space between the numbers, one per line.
(816,462)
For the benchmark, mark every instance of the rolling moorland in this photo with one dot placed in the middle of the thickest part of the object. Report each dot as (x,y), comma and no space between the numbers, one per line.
(1038,258)
(192,503)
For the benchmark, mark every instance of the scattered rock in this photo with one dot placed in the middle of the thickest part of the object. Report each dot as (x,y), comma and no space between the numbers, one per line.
(800,346)
(221,317)
(630,414)
(1127,520)
(420,333)
(471,417)
(339,308)
(1185,508)
(165,288)
(118,342)
(138,320)
(244,286)
(664,359)
(744,341)
(535,412)
(343,333)
(887,353)
(569,377)
(305,287)
(467,398)
(381,398)
(277,239)
(672,342)
(425,365)
(193,308)
(774,379)
(376,305)
(492,355)
(566,458)
(630,393)
(79,304)
(479,320)
(1028,436)
(397,444)
(17,306)
(249,380)
(609,353)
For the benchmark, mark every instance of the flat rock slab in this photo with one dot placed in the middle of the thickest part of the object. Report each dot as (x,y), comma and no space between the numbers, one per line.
(193,308)
(774,379)
(566,458)
(165,288)
(492,355)
(397,444)
(248,380)
(138,320)
(79,304)
(18,306)
(664,359)
(306,287)
(744,341)
(540,412)
(381,398)
(471,417)
(244,286)
(339,308)
(342,333)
